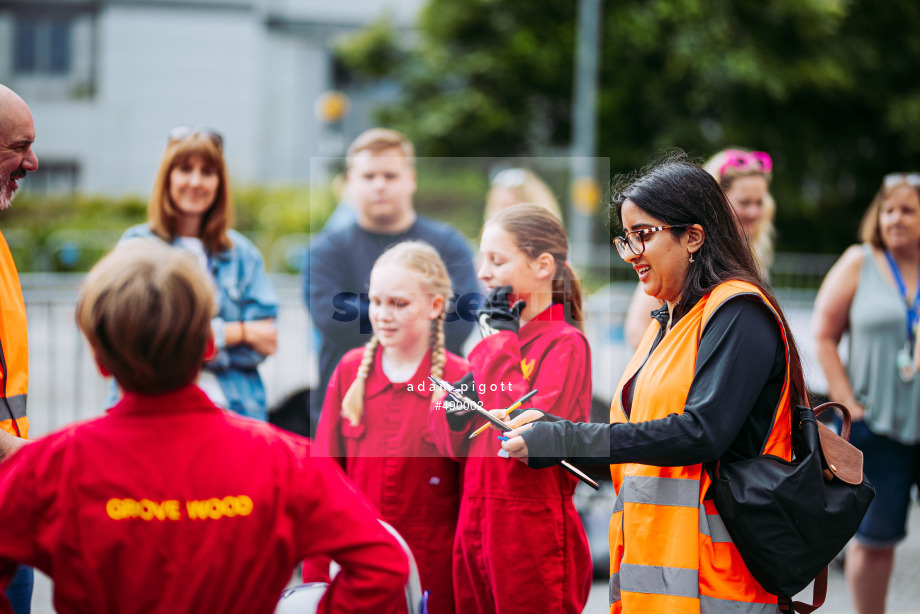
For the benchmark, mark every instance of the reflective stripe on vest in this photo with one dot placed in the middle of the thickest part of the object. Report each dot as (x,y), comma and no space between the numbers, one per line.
(708,605)
(15,407)
(714,605)
(14,348)
(670,551)
(657,491)
(711,526)
(658,580)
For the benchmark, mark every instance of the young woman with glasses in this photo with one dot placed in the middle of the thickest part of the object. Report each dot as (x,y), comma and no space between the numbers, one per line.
(873,293)
(191,208)
(714,380)
(745,178)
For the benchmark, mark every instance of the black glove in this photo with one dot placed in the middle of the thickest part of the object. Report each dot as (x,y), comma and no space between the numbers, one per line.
(458,416)
(497,314)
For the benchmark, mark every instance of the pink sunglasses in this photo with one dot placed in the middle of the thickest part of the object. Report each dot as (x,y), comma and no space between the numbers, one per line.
(758,161)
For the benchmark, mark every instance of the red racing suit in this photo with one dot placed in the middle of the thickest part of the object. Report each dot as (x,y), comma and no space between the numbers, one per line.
(520,544)
(391,458)
(170,504)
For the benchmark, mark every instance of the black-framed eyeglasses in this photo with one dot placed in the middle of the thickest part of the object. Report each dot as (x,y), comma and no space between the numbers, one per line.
(635,240)
(180,133)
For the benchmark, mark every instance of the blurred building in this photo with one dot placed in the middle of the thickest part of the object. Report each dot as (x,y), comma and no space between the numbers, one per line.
(107,79)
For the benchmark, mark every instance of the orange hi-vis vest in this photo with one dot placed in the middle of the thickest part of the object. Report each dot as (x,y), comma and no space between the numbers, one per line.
(14,348)
(669,550)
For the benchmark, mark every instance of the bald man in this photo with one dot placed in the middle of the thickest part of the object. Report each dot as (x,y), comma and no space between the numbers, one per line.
(17,133)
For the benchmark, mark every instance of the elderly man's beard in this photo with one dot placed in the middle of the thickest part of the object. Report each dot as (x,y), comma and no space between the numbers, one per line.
(6,194)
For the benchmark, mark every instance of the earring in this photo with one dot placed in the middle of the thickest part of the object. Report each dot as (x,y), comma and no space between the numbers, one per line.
(691,257)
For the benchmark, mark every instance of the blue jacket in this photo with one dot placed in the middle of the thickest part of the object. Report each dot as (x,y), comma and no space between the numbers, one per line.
(244,292)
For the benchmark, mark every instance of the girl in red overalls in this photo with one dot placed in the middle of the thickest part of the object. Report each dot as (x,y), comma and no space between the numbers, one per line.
(376,408)
(532,319)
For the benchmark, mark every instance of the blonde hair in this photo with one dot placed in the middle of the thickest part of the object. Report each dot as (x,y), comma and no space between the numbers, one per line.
(146,309)
(526,187)
(423,261)
(537,231)
(762,239)
(380,139)
(162,215)
(870,230)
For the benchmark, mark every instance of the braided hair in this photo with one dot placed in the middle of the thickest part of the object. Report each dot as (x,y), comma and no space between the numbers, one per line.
(423,261)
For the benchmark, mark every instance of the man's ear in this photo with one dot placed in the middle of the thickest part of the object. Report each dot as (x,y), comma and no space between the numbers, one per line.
(210,349)
(696,236)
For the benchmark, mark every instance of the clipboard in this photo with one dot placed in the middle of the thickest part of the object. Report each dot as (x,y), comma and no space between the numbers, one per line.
(458,396)
(461,398)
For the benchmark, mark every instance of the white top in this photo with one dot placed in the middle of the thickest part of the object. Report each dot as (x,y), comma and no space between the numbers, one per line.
(207,381)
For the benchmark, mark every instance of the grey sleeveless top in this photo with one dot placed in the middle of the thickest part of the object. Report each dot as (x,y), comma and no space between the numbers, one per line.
(878,331)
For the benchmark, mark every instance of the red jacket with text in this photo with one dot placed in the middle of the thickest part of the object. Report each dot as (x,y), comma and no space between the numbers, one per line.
(520,544)
(390,457)
(170,504)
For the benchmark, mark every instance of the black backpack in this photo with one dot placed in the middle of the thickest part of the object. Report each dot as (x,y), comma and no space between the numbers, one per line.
(790,519)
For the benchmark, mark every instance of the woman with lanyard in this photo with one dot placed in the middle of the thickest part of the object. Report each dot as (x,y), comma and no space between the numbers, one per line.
(873,292)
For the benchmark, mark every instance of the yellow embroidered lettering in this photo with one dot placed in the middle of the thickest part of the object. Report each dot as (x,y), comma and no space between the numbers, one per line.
(113,509)
(215,508)
(150,510)
(196,509)
(171,508)
(145,509)
(131,508)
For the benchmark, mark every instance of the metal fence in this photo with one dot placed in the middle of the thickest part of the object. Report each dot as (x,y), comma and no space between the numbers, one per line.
(65,386)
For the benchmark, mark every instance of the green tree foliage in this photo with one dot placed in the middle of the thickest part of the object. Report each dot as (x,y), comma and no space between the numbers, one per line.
(829,87)
(70,233)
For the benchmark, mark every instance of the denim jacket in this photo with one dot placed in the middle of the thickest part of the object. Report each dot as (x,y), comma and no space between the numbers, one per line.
(244,292)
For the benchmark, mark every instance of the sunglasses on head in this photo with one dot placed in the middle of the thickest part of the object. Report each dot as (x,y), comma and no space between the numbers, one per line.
(180,133)
(739,160)
(510,178)
(894,179)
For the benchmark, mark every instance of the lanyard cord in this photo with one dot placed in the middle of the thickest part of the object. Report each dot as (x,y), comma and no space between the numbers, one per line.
(913,309)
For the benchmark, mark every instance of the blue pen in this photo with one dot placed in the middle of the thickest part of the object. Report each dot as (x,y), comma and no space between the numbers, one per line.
(503,438)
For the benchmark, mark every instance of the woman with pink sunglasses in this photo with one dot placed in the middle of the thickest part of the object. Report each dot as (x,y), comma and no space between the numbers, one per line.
(745,178)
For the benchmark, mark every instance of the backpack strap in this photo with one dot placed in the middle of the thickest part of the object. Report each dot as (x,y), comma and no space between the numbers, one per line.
(818,595)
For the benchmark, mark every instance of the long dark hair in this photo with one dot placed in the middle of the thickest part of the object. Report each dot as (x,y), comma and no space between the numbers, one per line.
(680,193)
